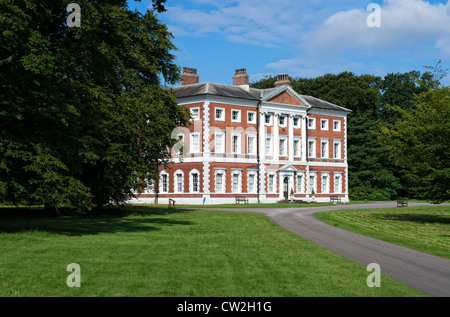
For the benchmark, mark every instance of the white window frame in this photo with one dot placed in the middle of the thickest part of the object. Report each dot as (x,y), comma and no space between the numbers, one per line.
(300,185)
(191,181)
(296,126)
(238,119)
(238,188)
(338,129)
(192,149)
(254,117)
(220,149)
(161,183)
(222,117)
(194,118)
(311,151)
(180,144)
(325,175)
(222,172)
(251,190)
(324,127)
(175,181)
(314,186)
(299,147)
(311,123)
(337,154)
(284,117)
(270,116)
(238,146)
(274,183)
(339,183)
(251,136)
(270,150)
(324,154)
(284,152)
(150,188)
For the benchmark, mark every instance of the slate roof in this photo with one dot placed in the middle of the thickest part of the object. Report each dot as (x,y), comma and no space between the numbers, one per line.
(251,94)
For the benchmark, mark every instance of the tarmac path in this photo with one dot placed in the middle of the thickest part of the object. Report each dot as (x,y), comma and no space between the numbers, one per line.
(425,272)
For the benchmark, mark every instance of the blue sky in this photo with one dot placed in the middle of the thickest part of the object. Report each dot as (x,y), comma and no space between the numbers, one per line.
(305,38)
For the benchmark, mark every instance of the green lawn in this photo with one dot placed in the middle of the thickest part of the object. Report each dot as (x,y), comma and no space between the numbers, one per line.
(141,251)
(423,228)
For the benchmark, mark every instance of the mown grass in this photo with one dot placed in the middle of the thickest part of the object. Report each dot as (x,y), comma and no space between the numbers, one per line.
(159,252)
(423,228)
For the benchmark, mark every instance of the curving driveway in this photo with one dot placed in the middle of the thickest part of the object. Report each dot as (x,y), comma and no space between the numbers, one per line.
(425,272)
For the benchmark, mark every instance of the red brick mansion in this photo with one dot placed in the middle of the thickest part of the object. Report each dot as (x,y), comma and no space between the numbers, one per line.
(263,144)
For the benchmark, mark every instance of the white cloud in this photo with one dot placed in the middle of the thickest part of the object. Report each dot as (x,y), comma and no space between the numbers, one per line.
(404,23)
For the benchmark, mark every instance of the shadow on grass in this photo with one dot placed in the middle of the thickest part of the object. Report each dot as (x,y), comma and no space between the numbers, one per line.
(108,220)
(422,218)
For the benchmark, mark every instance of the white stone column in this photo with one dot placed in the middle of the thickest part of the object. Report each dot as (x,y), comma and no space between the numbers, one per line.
(276,137)
(304,140)
(291,138)
(262,137)
(206,151)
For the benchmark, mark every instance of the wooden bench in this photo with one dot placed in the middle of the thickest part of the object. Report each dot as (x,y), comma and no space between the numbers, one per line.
(171,202)
(402,203)
(335,199)
(242,199)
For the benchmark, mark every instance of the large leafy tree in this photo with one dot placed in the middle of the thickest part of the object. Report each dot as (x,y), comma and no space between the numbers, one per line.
(84,114)
(419,142)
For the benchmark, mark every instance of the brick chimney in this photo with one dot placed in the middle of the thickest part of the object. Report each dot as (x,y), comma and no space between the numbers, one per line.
(241,78)
(189,76)
(283,80)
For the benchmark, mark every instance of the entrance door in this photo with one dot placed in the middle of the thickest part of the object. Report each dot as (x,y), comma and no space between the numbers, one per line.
(286,188)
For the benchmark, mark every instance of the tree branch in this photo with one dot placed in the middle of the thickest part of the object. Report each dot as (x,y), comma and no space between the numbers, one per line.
(8,60)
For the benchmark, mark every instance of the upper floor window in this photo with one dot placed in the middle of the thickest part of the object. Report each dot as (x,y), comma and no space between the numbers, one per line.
(195,143)
(236,143)
(337,149)
(235,115)
(323,124)
(220,143)
(324,148)
(251,117)
(296,147)
(311,123)
(283,150)
(220,114)
(337,125)
(312,148)
(283,121)
(251,144)
(195,113)
(296,122)
(268,119)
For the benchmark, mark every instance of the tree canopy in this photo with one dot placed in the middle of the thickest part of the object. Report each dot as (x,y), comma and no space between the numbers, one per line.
(84,111)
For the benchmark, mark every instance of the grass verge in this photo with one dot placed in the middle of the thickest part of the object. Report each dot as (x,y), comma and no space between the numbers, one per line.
(423,228)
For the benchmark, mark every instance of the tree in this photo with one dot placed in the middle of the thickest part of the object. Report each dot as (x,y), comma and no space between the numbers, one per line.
(419,142)
(84,114)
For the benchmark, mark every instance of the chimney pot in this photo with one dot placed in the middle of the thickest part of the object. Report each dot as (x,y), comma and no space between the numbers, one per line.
(283,80)
(241,78)
(189,76)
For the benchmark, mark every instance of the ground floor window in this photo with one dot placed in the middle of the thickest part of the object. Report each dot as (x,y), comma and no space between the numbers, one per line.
(338,183)
(300,187)
(271,184)
(164,183)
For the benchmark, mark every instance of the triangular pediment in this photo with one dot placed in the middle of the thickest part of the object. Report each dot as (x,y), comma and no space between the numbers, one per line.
(288,168)
(285,95)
